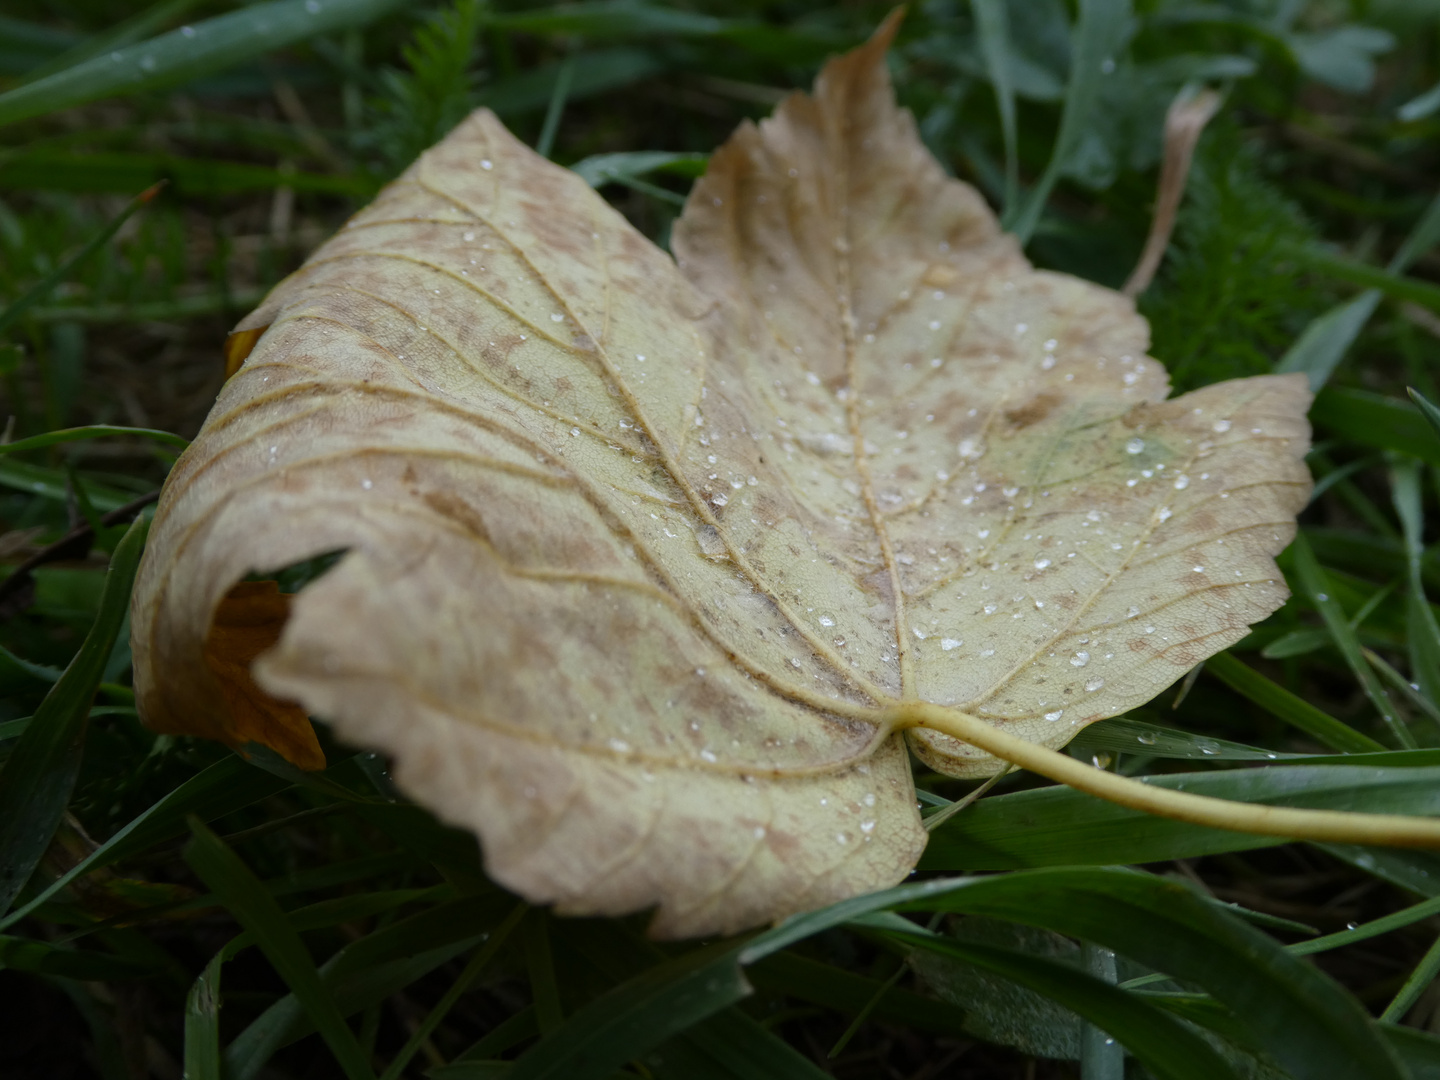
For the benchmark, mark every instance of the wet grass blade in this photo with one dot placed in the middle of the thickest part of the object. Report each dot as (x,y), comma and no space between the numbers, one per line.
(93,431)
(37,777)
(141,25)
(256,910)
(1315,582)
(203,1060)
(202,49)
(992,24)
(1281,703)
(41,288)
(1100,26)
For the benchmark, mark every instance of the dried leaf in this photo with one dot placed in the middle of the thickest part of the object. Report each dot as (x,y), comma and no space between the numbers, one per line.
(649,561)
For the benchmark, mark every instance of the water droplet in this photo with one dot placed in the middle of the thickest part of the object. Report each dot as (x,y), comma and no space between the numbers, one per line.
(1041,564)
(1132,612)
(1181,483)
(971,449)
(1053,716)
(1092,685)
(719,499)
(795,663)
(1145,740)
(1221,426)
(1080,659)
(1164,513)
(948,643)
(1135,446)
(867,826)
(1198,569)
(620,746)
(367,483)
(827,620)
(990,609)
(486,164)
(759,832)
(1321,596)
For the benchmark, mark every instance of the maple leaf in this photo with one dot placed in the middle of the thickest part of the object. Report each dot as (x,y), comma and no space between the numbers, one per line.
(651,563)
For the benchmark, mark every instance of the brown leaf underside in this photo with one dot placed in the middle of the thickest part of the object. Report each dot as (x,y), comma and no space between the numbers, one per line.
(639,554)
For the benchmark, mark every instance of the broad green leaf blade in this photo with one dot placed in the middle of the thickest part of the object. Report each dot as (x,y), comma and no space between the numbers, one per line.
(37,777)
(1059,827)
(1300,1016)
(191,51)
(1161,1043)
(256,910)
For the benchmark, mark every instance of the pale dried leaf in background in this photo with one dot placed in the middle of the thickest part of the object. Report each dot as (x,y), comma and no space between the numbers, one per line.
(641,559)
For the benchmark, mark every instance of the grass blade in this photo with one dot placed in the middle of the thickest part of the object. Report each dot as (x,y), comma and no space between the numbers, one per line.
(41,288)
(992,25)
(191,51)
(256,910)
(1316,583)
(1099,30)
(202,1017)
(93,431)
(556,108)
(1423,975)
(478,963)
(1325,341)
(1427,408)
(37,777)
(1295,711)
(140,25)
(1375,420)
(1165,1046)
(637,1015)
(1321,346)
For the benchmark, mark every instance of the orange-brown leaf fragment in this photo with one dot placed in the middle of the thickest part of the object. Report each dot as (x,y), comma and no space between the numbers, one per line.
(247,622)
(644,557)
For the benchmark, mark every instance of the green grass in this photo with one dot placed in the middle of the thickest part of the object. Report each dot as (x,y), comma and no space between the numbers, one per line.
(170,906)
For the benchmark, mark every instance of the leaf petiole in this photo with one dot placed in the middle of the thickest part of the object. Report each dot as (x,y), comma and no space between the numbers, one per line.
(1327,826)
